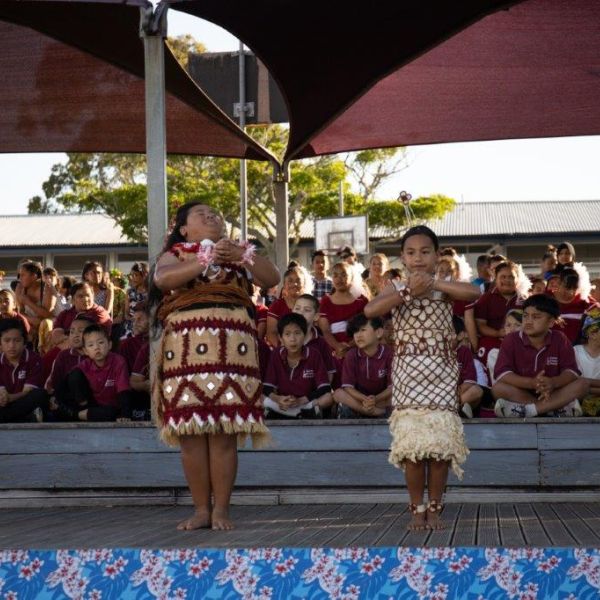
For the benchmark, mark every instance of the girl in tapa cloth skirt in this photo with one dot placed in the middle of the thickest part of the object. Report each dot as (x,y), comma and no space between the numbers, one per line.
(427,433)
(207,392)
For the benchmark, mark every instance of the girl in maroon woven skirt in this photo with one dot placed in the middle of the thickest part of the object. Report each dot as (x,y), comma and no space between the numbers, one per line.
(207,393)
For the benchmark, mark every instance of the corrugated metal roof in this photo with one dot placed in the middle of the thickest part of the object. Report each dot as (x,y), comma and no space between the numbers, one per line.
(59,230)
(504,218)
(466,220)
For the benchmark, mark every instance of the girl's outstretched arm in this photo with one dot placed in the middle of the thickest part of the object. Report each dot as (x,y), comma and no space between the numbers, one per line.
(457,290)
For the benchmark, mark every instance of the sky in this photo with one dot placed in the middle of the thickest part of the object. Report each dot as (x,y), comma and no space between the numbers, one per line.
(509,170)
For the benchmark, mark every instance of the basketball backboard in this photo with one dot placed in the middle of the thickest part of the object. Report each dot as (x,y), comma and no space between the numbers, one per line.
(334,232)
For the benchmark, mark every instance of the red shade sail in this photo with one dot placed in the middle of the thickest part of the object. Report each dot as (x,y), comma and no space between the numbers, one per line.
(73,80)
(414,72)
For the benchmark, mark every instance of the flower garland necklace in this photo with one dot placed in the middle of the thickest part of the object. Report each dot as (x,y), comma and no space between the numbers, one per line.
(204,253)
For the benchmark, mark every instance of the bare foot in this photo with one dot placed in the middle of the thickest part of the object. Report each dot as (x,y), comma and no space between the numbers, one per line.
(199,520)
(434,520)
(417,523)
(221,520)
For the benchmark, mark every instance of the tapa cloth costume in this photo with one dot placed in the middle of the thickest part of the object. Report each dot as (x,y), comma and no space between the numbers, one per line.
(208,377)
(425,423)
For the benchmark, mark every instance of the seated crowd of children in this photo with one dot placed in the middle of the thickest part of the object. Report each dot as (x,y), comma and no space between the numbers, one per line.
(74,351)
(528,346)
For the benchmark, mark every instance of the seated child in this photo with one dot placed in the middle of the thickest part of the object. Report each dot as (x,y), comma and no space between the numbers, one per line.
(139,380)
(296,384)
(100,384)
(130,347)
(308,306)
(536,372)
(64,363)
(22,397)
(512,322)
(469,392)
(588,361)
(367,373)
(8,308)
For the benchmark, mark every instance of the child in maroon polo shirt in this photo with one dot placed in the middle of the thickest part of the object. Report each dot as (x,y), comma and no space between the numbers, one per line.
(100,384)
(296,384)
(67,360)
(130,347)
(470,392)
(22,397)
(536,372)
(308,306)
(366,376)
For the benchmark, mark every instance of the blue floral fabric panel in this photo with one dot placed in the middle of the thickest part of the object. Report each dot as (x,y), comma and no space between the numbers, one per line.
(298,573)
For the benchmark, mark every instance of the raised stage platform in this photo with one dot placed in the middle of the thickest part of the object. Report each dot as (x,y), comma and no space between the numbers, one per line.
(309,462)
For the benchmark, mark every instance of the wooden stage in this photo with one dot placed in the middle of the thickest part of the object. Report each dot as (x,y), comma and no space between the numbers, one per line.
(324,525)
(309,462)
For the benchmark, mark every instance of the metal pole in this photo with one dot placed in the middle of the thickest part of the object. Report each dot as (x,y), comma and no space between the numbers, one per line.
(153,30)
(243,173)
(341,200)
(280,188)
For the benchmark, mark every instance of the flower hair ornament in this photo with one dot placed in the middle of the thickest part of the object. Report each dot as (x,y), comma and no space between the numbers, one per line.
(204,254)
(405,198)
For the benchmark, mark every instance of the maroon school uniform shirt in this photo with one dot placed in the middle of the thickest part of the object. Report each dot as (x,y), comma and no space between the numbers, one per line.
(466,365)
(130,347)
(370,375)
(492,307)
(48,361)
(279,309)
(97,313)
(572,313)
(141,366)
(308,378)
(338,315)
(106,381)
(260,313)
(64,363)
(518,356)
(317,342)
(27,372)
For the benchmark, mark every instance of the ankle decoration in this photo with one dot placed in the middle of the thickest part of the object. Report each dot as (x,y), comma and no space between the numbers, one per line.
(435,506)
(417,509)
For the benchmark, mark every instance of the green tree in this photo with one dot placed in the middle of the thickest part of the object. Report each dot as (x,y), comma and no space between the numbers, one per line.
(116,185)
(184,45)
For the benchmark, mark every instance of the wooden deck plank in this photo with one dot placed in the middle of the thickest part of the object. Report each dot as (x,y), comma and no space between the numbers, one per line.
(372,523)
(332,526)
(319,519)
(577,527)
(443,537)
(397,530)
(387,515)
(556,530)
(535,534)
(27,534)
(256,469)
(354,527)
(510,530)
(466,526)
(59,438)
(306,526)
(488,531)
